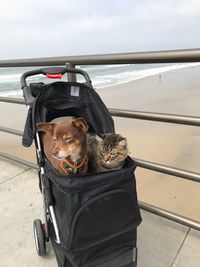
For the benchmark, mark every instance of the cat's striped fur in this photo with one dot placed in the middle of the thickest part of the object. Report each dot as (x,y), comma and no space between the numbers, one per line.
(108,151)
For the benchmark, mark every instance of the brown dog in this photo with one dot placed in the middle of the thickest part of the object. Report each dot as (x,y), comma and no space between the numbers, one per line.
(65,144)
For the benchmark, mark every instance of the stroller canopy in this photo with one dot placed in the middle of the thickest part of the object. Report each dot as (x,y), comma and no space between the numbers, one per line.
(60,99)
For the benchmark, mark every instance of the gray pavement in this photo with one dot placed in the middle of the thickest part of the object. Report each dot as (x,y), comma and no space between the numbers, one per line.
(161,243)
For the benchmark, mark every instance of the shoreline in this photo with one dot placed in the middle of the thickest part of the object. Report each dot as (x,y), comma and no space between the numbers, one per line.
(151,72)
(177,92)
(162,72)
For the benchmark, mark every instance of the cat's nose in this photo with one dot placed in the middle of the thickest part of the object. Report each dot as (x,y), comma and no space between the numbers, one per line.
(107,159)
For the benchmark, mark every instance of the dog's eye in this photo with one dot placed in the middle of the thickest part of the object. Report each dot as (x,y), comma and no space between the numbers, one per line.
(69,139)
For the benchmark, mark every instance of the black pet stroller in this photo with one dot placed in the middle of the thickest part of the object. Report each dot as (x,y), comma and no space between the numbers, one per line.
(90,219)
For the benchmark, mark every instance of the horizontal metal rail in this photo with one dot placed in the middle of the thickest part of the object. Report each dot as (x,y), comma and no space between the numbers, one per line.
(152,116)
(147,207)
(12,100)
(170,215)
(172,56)
(10,131)
(140,115)
(19,160)
(193,176)
(188,175)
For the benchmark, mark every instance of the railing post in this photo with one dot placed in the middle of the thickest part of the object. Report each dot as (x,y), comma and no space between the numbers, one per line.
(71,76)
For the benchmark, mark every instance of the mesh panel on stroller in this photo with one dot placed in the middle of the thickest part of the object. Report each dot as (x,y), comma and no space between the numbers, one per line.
(91,219)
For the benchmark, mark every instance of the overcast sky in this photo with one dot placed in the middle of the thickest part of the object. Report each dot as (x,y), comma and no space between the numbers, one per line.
(32,28)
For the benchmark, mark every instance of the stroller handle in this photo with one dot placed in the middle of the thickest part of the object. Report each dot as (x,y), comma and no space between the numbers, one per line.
(55,72)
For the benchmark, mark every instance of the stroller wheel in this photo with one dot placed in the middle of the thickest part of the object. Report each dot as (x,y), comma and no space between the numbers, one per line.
(39,236)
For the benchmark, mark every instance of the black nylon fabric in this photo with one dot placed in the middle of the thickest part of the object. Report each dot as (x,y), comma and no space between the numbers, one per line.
(109,254)
(55,100)
(97,214)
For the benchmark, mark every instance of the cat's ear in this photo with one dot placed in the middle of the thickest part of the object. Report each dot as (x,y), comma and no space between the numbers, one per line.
(123,141)
(100,137)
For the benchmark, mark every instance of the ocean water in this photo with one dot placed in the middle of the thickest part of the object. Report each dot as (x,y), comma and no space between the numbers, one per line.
(101,75)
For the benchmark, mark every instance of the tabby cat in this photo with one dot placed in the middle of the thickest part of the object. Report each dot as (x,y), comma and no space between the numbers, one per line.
(107,151)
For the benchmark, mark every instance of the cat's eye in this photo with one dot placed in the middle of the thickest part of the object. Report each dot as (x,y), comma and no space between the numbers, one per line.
(113,153)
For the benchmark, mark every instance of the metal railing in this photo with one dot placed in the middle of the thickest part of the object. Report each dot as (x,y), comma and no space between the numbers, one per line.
(173,56)
(177,56)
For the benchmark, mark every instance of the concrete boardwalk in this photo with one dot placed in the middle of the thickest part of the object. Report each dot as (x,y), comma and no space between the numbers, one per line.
(161,243)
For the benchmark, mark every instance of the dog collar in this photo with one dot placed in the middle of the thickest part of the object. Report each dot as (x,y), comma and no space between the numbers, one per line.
(68,168)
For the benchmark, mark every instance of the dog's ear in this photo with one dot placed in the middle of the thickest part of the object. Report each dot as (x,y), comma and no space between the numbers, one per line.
(81,125)
(46,127)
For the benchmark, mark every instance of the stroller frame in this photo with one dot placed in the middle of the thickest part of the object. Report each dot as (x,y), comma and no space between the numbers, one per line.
(48,207)
(43,232)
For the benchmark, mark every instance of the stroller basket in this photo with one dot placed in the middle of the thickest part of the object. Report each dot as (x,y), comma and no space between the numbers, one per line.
(90,219)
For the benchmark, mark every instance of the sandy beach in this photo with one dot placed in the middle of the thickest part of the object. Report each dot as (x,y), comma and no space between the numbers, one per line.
(174,92)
